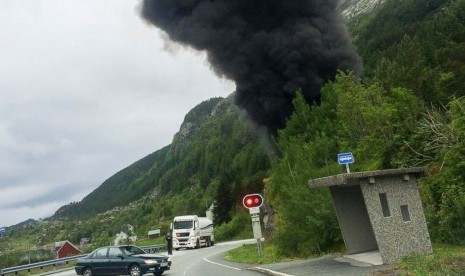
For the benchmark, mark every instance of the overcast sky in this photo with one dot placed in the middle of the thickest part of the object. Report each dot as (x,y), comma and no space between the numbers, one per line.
(86,89)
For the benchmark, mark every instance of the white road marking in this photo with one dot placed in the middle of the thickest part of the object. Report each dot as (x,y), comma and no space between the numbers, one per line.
(227,266)
(271,271)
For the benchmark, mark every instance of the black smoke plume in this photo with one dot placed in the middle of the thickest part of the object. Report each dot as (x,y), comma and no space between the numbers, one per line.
(270,48)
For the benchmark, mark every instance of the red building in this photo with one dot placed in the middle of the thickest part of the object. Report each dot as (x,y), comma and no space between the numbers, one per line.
(153,234)
(66,249)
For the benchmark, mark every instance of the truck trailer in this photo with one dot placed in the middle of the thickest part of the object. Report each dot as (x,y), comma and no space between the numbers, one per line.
(192,232)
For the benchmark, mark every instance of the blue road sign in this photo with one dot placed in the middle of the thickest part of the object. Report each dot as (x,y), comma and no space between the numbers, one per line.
(2,229)
(345,158)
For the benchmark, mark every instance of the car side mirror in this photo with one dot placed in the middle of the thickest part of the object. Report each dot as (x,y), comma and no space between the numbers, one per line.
(120,256)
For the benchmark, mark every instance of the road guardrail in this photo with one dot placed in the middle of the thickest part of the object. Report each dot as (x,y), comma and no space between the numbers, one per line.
(153,248)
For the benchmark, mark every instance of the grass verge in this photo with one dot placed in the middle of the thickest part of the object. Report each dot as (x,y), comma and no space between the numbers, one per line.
(445,260)
(248,253)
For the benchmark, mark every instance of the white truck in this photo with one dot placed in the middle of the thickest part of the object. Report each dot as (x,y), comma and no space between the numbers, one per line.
(192,232)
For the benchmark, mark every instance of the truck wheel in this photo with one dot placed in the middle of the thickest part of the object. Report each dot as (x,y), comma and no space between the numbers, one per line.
(197,244)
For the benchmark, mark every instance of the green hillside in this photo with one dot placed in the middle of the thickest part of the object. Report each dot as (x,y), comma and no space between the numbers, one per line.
(213,148)
(216,155)
(415,44)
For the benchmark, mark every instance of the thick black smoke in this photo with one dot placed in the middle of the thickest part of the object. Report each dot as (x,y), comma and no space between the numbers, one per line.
(270,48)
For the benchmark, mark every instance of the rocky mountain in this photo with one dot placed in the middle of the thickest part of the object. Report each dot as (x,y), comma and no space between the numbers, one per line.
(212,134)
(353,8)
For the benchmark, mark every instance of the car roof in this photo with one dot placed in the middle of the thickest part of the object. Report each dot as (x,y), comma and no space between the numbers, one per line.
(113,246)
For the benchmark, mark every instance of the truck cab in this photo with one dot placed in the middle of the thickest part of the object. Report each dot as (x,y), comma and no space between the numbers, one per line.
(192,232)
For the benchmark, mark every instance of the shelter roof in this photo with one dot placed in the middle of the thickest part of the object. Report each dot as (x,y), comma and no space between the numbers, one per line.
(349,179)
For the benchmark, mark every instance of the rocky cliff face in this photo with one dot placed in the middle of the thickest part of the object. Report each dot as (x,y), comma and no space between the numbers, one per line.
(352,8)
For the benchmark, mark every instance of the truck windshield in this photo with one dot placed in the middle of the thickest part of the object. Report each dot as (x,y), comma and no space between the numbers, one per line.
(187,224)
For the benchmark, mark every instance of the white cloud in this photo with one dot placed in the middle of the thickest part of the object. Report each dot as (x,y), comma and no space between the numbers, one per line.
(87,89)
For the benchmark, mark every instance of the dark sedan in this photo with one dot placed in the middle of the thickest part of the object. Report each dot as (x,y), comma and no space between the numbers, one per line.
(122,260)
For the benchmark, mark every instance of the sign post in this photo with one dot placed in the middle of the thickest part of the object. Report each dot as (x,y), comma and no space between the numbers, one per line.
(345,159)
(253,203)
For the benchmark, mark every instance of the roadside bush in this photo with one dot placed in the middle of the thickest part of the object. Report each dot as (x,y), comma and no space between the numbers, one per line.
(239,227)
(443,191)
(452,224)
(9,258)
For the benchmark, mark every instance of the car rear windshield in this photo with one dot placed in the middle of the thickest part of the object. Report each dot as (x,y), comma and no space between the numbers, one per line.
(132,250)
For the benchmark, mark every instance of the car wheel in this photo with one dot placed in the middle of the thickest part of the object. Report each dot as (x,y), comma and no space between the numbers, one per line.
(134,270)
(87,271)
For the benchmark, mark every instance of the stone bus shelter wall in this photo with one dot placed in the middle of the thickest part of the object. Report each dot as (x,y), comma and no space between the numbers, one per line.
(380,210)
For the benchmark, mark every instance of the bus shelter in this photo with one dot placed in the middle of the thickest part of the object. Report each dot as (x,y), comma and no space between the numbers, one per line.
(379,211)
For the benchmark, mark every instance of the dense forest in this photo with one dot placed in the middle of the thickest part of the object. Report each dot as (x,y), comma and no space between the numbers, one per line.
(407,109)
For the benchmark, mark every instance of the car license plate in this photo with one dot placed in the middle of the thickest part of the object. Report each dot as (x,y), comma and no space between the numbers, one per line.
(163,264)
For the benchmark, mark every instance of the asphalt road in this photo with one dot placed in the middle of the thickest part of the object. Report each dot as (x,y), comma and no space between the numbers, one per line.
(331,265)
(202,262)
(209,262)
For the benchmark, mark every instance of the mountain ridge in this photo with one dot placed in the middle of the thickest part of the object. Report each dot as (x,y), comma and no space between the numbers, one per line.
(136,180)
